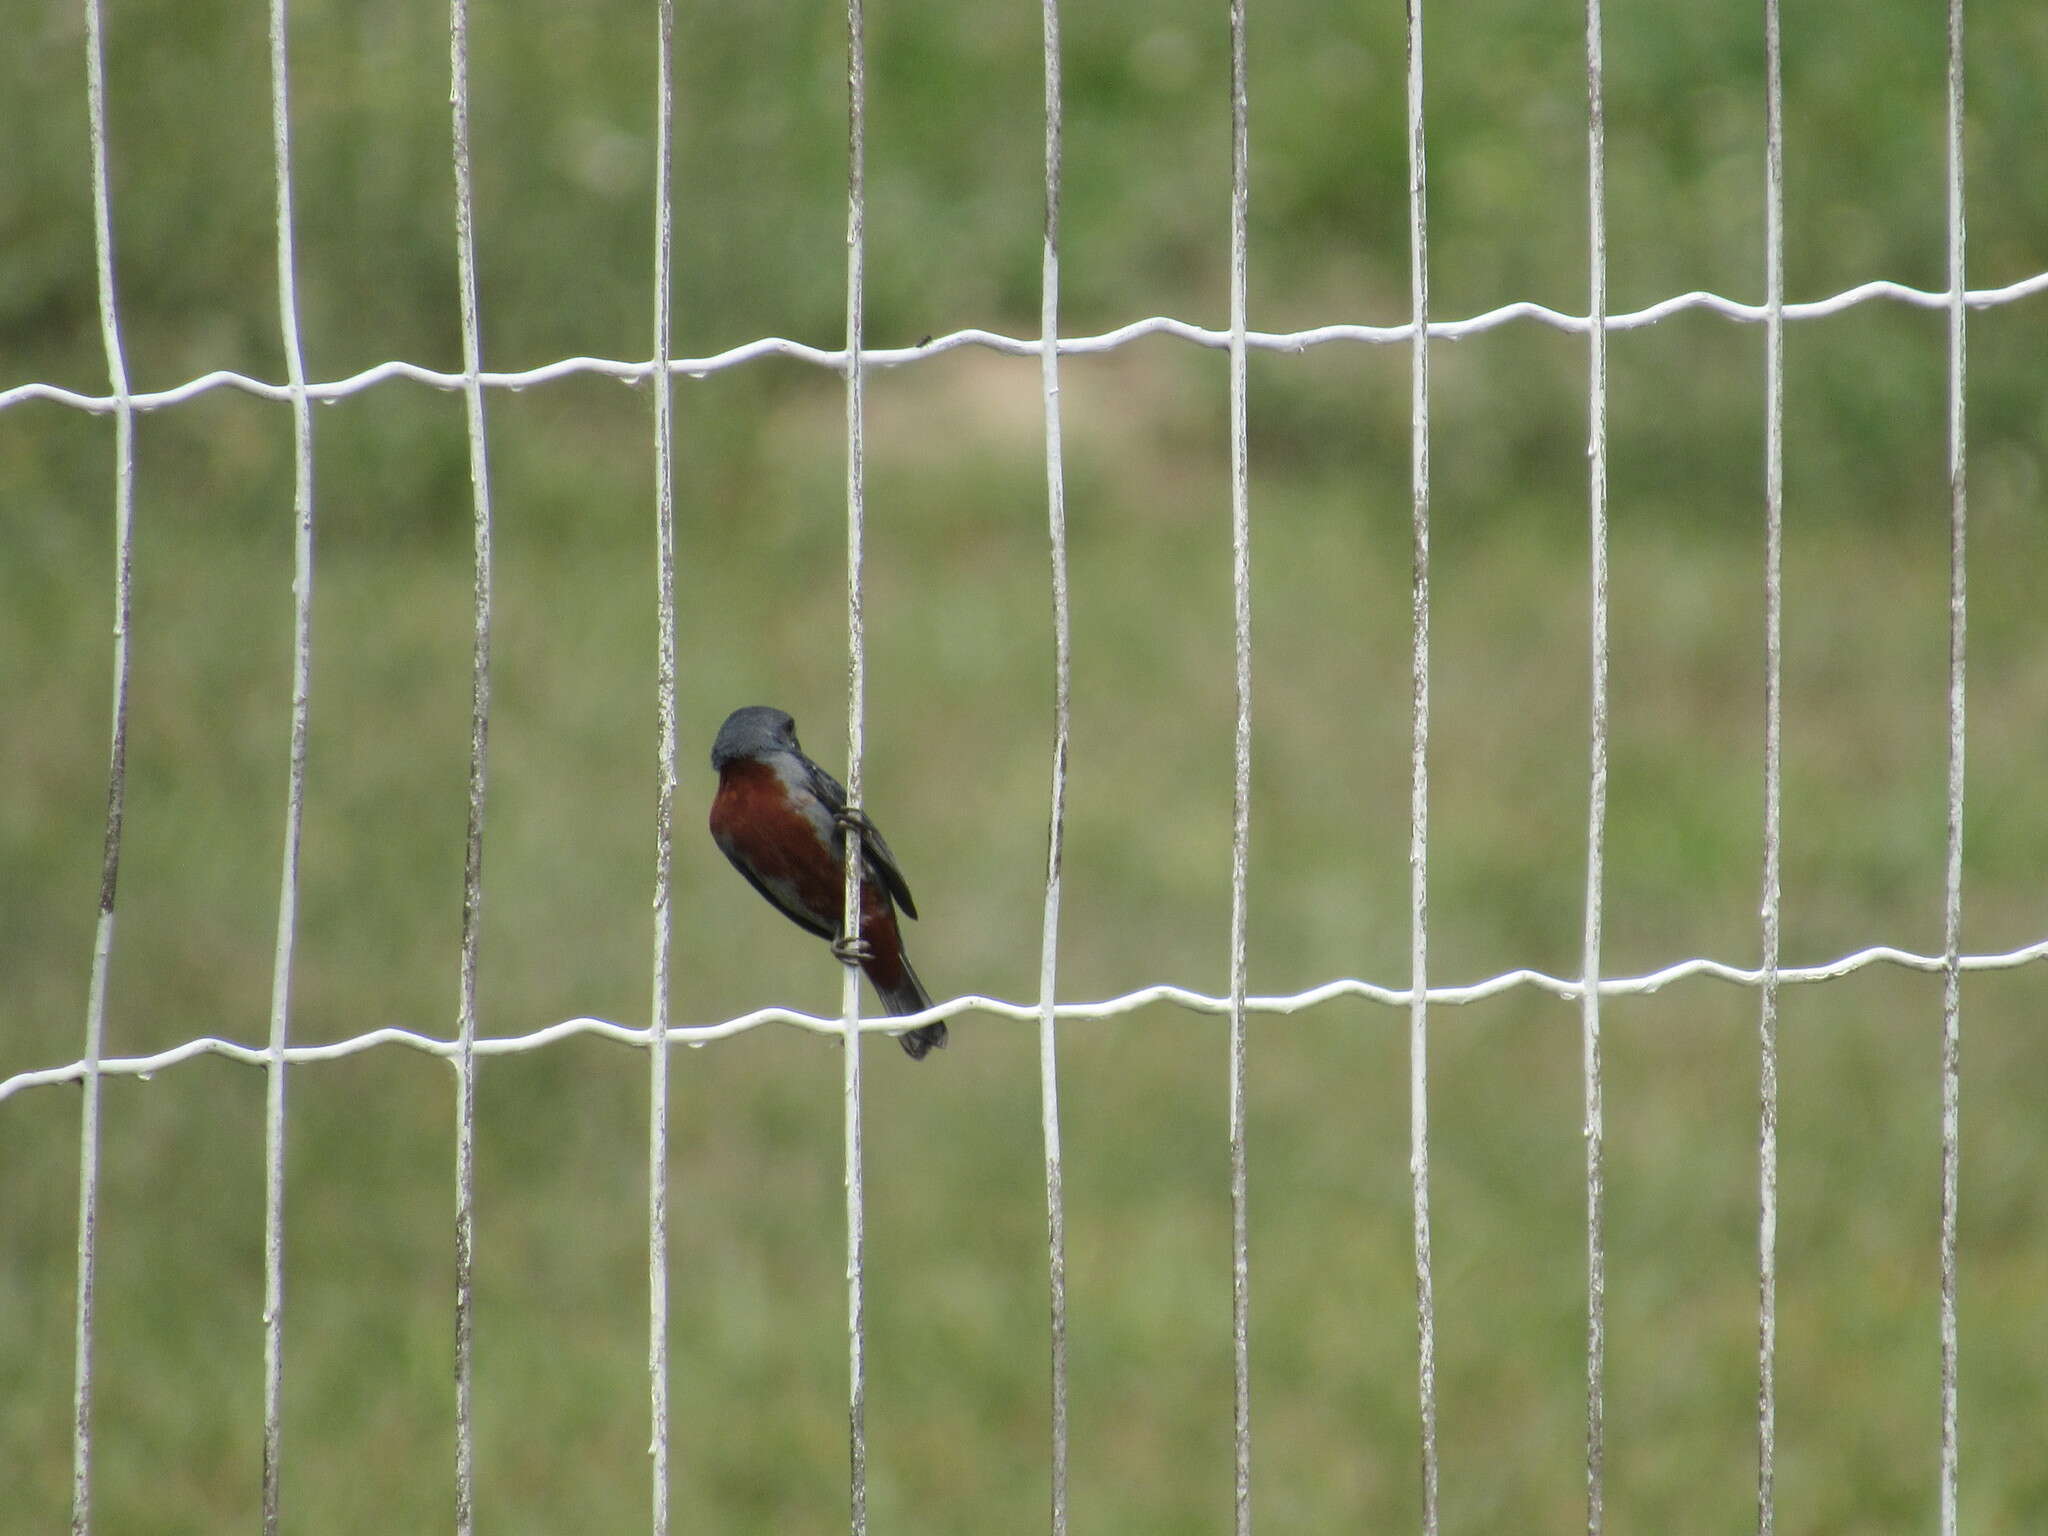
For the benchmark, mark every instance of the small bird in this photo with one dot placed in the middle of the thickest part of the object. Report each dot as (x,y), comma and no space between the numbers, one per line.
(782,821)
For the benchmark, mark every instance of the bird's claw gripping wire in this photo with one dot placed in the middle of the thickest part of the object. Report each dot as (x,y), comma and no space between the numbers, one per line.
(851,948)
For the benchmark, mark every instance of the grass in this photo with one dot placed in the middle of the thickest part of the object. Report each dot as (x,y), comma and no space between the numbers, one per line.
(959,691)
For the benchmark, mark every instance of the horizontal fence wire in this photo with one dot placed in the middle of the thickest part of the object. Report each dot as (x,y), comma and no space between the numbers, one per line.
(1564,988)
(1014,346)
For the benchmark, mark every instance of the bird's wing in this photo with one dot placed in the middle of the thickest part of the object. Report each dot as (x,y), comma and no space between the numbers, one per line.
(825,787)
(880,862)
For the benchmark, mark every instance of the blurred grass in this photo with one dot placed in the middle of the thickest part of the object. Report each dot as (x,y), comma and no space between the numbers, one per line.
(959,644)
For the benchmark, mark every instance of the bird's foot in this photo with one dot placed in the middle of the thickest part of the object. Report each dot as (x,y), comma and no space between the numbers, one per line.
(852,949)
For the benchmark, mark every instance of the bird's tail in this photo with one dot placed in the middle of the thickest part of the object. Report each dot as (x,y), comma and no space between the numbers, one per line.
(909,996)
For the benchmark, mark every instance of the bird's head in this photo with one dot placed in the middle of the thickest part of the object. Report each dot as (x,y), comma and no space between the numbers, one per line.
(758,731)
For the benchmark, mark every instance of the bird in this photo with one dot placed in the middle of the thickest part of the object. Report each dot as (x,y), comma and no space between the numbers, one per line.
(782,821)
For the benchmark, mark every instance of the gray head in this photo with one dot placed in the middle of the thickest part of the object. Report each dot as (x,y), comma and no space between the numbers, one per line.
(754,732)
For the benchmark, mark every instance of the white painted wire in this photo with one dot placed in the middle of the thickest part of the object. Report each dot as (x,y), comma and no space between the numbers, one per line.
(668,770)
(295,797)
(1774,541)
(1566,988)
(856,702)
(1030,347)
(1952,904)
(1596,812)
(117,774)
(1241,818)
(1056,832)
(1418,792)
(479,744)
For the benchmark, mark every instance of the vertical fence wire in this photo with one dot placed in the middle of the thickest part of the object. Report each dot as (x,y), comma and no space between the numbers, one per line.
(667,771)
(295,798)
(1774,542)
(856,703)
(1062,676)
(117,772)
(1596,812)
(1418,793)
(1240,841)
(479,741)
(1952,913)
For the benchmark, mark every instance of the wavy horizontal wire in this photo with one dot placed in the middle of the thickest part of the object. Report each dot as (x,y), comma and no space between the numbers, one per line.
(1031,1013)
(1158,325)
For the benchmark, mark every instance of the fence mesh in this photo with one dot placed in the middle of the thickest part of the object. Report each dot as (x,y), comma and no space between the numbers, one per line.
(1419,997)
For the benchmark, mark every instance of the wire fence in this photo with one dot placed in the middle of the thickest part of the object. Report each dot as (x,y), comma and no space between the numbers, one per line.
(1418,997)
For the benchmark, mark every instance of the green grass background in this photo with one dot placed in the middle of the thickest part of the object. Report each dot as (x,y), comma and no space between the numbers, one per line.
(958,730)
